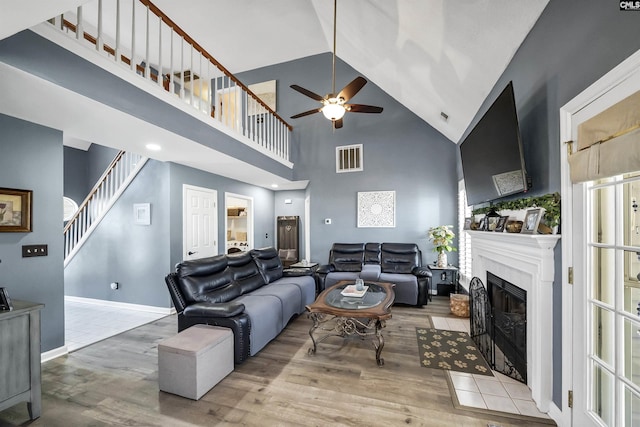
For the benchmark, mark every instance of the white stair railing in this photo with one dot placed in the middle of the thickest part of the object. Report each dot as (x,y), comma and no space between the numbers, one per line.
(122,170)
(138,35)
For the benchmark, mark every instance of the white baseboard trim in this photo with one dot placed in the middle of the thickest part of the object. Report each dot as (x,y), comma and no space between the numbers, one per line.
(123,305)
(52,354)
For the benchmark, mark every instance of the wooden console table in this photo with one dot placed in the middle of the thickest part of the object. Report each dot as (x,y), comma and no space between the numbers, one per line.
(20,357)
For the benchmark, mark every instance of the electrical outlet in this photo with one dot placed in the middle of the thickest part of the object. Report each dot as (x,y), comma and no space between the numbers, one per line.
(34,250)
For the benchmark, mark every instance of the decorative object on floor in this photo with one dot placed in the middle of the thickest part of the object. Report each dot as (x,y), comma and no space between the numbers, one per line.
(334,104)
(459,304)
(450,350)
(376,209)
(442,238)
(15,210)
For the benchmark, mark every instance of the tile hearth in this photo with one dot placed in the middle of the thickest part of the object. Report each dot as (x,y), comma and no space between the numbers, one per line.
(498,393)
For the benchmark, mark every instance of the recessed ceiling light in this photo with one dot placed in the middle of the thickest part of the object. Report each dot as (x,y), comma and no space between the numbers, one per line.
(153,147)
(274,185)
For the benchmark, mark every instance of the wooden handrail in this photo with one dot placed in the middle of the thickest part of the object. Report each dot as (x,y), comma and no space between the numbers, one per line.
(153,8)
(156,11)
(95,188)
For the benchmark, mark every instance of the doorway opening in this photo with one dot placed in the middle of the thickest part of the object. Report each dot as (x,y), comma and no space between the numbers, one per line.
(238,223)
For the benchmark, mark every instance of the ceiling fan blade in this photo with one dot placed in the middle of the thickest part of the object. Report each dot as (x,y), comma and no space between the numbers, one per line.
(307,92)
(337,124)
(307,113)
(352,88)
(359,108)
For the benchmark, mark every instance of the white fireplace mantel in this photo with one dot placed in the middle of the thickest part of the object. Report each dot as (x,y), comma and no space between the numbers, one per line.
(527,261)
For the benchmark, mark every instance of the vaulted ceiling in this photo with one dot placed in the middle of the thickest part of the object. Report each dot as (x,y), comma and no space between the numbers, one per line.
(433,56)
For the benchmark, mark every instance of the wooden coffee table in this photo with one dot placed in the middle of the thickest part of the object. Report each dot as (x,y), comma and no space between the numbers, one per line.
(334,314)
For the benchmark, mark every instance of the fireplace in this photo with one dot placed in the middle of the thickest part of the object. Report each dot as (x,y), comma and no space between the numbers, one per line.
(528,262)
(509,307)
(499,325)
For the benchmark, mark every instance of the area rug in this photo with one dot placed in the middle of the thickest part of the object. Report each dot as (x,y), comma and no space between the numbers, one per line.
(450,350)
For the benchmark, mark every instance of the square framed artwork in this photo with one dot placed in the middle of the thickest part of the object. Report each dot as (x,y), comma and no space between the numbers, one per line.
(266,91)
(377,209)
(142,213)
(15,210)
(531,221)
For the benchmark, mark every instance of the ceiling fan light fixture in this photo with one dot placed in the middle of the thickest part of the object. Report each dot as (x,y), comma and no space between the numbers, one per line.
(333,110)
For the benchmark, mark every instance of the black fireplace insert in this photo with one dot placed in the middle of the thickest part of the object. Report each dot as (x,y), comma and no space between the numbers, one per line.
(499,325)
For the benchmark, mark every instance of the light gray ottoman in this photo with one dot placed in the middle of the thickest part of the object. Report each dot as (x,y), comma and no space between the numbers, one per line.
(193,361)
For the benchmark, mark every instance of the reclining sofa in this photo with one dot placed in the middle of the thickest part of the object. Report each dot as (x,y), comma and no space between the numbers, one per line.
(398,263)
(247,292)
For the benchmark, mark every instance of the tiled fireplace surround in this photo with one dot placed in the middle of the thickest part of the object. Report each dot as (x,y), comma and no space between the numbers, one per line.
(526,261)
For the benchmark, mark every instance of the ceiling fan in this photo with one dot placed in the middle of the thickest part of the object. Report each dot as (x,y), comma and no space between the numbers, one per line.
(334,105)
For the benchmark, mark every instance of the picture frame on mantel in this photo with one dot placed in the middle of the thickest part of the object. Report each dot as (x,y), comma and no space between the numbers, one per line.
(15,210)
(531,221)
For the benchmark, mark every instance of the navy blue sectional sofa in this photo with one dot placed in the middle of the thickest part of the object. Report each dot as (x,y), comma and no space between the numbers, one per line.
(398,263)
(248,292)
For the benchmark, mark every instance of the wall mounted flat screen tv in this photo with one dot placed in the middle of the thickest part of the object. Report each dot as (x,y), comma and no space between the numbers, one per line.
(492,161)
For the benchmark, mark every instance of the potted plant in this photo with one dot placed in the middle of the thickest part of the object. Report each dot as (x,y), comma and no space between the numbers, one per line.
(442,238)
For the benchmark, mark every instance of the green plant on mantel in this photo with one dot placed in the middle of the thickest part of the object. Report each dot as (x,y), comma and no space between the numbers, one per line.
(550,202)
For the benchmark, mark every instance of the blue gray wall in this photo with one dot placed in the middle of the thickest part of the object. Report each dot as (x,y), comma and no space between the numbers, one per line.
(401,153)
(31,159)
(30,52)
(83,168)
(135,256)
(572,45)
(263,226)
(138,257)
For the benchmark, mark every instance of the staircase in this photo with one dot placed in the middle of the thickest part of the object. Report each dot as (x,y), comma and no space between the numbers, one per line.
(116,178)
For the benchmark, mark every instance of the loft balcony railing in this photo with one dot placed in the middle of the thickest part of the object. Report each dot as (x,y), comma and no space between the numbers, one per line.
(138,35)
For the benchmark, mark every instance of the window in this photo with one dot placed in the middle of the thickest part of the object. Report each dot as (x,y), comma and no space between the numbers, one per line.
(349,158)
(464,242)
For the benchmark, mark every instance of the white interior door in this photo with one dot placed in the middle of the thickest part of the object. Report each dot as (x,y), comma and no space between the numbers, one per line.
(200,222)
(603,249)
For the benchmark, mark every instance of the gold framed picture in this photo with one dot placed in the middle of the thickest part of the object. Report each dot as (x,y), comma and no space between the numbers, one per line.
(15,210)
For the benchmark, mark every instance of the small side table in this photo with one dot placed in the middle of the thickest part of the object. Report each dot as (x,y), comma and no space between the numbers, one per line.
(313,266)
(447,276)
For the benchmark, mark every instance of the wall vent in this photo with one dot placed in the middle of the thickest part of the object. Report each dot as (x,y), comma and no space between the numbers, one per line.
(349,158)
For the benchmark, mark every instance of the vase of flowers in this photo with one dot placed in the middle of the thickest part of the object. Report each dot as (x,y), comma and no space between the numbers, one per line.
(442,239)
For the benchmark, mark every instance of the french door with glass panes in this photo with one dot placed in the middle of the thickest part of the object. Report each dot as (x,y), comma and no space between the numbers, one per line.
(610,298)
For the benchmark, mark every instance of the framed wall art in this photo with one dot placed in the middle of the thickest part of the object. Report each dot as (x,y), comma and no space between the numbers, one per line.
(142,213)
(377,209)
(467,223)
(15,210)
(266,91)
(502,222)
(531,221)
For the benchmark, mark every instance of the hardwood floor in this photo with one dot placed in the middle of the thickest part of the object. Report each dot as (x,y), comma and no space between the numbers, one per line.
(114,382)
